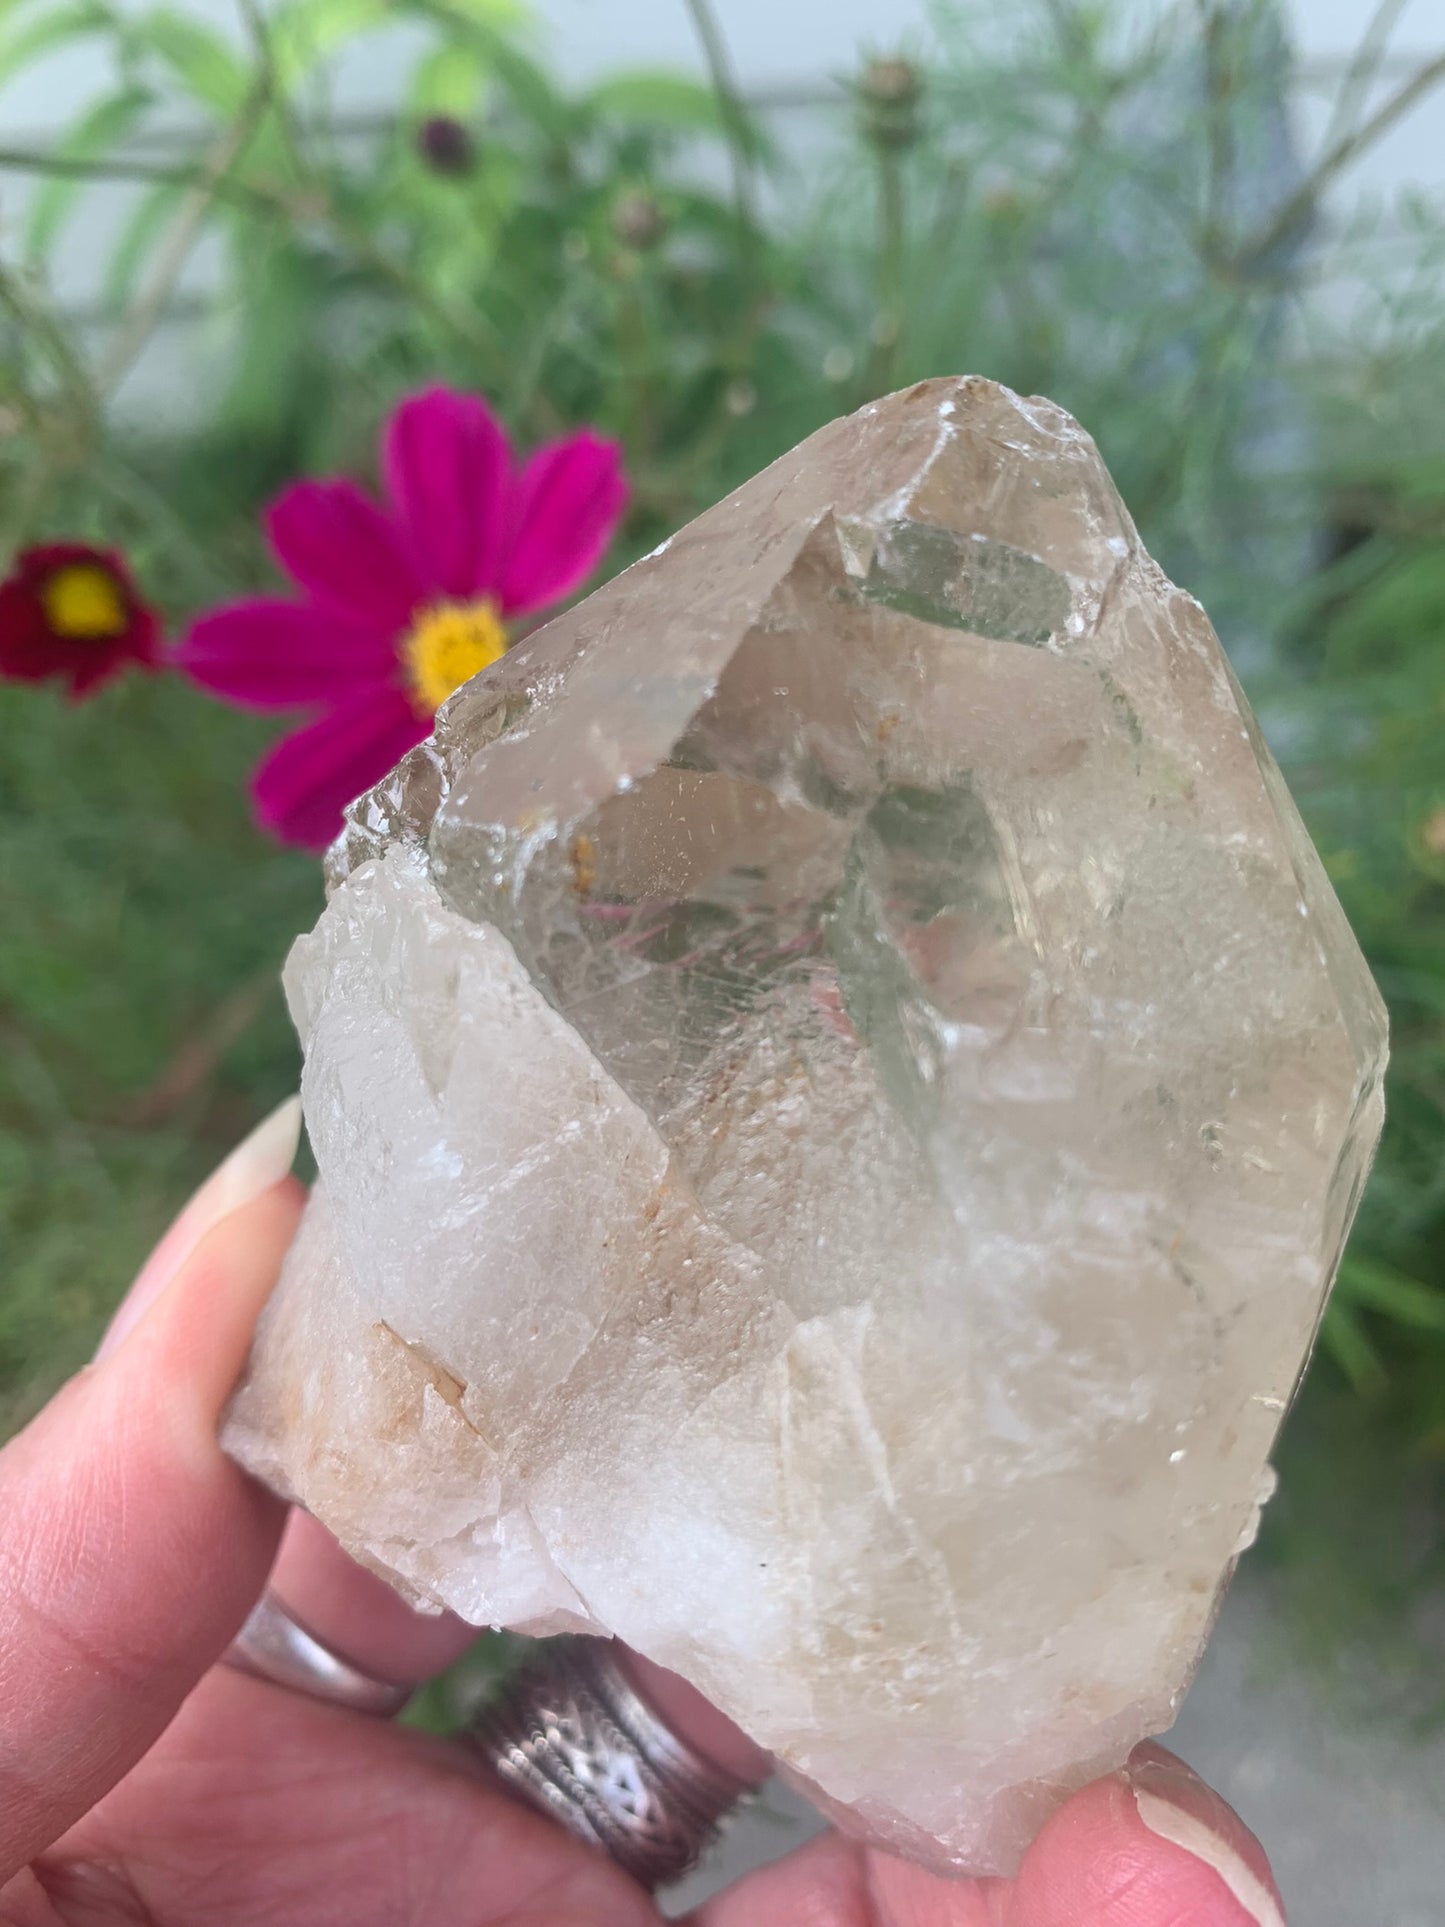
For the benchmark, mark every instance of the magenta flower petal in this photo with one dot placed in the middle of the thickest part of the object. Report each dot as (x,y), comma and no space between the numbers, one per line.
(334,541)
(569,500)
(302,786)
(268,654)
(448,469)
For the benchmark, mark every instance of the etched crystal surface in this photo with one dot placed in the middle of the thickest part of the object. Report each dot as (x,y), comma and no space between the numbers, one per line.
(838,1082)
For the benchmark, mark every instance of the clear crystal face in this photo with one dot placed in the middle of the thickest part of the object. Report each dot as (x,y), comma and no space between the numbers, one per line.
(838,1082)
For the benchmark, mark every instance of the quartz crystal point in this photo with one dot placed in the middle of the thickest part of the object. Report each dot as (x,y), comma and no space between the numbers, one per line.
(838,1083)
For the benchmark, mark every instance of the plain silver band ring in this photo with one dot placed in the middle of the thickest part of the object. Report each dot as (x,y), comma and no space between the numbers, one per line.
(574,1737)
(273,1646)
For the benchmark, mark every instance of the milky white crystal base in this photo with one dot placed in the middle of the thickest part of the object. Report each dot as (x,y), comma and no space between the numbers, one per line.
(838,1083)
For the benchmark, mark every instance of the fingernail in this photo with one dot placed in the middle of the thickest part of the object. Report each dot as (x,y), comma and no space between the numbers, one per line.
(1171,1802)
(258,1162)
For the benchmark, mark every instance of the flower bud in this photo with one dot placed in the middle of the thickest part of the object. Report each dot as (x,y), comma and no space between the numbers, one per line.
(638,222)
(1005,205)
(445,145)
(889,91)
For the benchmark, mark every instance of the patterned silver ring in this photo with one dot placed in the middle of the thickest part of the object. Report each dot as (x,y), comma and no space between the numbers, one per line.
(275,1647)
(573,1736)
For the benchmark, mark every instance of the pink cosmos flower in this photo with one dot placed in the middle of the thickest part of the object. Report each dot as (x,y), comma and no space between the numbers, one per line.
(401,602)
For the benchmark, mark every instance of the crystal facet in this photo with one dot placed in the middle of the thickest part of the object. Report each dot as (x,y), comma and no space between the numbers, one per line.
(838,1082)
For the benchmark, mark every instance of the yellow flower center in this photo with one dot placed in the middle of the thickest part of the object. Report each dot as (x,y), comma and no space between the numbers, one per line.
(446,646)
(83,602)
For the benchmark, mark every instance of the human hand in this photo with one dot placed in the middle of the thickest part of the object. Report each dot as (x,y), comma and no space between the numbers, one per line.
(141,1782)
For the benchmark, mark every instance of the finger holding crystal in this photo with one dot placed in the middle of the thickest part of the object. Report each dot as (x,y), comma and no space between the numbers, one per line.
(359,1616)
(130,1548)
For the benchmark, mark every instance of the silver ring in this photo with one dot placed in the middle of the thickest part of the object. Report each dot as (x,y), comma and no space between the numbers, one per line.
(273,1646)
(573,1736)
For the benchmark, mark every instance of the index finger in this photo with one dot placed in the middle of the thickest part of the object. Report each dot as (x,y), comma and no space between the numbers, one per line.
(130,1548)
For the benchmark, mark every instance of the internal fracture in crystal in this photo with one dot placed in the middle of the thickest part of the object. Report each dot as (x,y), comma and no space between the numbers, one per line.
(838,1083)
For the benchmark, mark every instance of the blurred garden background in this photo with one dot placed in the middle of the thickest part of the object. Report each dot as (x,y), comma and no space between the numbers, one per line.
(232,234)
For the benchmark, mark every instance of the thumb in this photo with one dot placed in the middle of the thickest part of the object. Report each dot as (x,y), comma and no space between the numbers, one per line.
(130,1548)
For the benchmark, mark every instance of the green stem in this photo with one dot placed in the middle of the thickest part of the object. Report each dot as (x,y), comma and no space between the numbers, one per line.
(735,116)
(1363,70)
(1332,163)
(185,230)
(952,193)
(737,353)
(638,362)
(40,326)
(1072,34)
(1219,130)
(259,34)
(78,167)
(891,226)
(892,233)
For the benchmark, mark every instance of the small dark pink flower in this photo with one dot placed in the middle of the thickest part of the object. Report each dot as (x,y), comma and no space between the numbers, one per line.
(72,613)
(401,603)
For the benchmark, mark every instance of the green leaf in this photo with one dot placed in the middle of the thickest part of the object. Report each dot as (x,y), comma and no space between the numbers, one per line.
(57,27)
(671,101)
(1379,1287)
(283,290)
(449,81)
(203,63)
(92,136)
(306,32)
(149,219)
